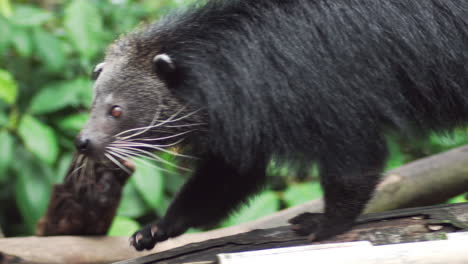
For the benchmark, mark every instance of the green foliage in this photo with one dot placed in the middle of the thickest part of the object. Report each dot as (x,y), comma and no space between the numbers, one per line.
(8,88)
(5,8)
(6,155)
(264,204)
(458,199)
(47,50)
(39,138)
(83,25)
(123,226)
(300,193)
(132,205)
(149,182)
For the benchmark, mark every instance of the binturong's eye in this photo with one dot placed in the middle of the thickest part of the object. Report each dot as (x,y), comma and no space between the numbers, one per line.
(97,70)
(116,111)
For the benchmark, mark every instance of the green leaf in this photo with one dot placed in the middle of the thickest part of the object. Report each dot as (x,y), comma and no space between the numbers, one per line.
(83,24)
(149,182)
(73,123)
(6,153)
(8,87)
(3,118)
(457,138)
(397,157)
(163,205)
(5,8)
(6,30)
(62,167)
(25,15)
(173,183)
(84,87)
(39,139)
(32,189)
(264,204)
(458,199)
(46,100)
(131,205)
(22,41)
(303,192)
(123,226)
(49,49)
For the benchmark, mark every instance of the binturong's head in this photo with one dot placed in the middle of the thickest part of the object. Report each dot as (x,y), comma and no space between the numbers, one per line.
(135,110)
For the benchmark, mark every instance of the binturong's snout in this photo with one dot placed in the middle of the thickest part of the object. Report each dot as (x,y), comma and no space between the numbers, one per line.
(83,144)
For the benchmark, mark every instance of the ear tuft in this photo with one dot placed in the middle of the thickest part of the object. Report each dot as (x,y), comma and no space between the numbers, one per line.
(97,70)
(163,64)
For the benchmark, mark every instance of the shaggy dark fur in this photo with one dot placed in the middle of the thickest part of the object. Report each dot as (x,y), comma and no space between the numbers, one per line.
(301,80)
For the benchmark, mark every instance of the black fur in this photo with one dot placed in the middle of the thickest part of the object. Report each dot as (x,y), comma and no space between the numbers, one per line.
(305,80)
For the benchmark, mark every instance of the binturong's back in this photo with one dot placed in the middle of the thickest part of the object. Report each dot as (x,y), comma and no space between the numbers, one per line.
(281,73)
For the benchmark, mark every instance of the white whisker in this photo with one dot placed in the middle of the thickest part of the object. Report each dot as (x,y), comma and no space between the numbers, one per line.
(85,164)
(72,173)
(148,154)
(146,128)
(155,147)
(116,162)
(120,142)
(159,138)
(155,118)
(137,160)
(187,125)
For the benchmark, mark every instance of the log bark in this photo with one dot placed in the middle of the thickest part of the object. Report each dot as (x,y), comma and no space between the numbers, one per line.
(404,225)
(427,181)
(399,226)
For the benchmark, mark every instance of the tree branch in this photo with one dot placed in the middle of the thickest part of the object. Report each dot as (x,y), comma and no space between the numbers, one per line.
(426,181)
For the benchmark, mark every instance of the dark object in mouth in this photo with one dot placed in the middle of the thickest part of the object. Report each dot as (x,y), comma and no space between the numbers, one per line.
(86,202)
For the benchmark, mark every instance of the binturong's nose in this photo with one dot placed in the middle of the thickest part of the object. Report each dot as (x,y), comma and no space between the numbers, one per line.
(82,144)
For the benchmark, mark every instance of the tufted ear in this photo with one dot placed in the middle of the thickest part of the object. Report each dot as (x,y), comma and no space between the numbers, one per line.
(163,65)
(97,71)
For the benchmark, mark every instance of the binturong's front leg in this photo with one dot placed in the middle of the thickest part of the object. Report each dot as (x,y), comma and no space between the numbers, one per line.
(215,189)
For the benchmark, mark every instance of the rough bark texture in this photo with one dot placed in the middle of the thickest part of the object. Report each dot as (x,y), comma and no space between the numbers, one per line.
(406,225)
(86,202)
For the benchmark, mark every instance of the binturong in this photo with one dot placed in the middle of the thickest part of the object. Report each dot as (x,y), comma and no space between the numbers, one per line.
(237,83)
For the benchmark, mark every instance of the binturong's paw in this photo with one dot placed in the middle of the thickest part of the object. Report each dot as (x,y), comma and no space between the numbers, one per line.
(147,237)
(317,227)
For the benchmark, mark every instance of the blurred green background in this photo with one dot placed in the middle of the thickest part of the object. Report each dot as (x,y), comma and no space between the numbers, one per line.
(47,51)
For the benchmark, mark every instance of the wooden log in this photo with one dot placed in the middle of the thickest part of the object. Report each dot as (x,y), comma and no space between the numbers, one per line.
(425,173)
(452,250)
(399,226)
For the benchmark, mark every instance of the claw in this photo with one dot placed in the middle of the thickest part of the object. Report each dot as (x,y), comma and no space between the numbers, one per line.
(296,227)
(154,229)
(311,237)
(138,237)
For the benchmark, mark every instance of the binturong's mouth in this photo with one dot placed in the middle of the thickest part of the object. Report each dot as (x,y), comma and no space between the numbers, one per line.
(126,151)
(129,152)
(148,143)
